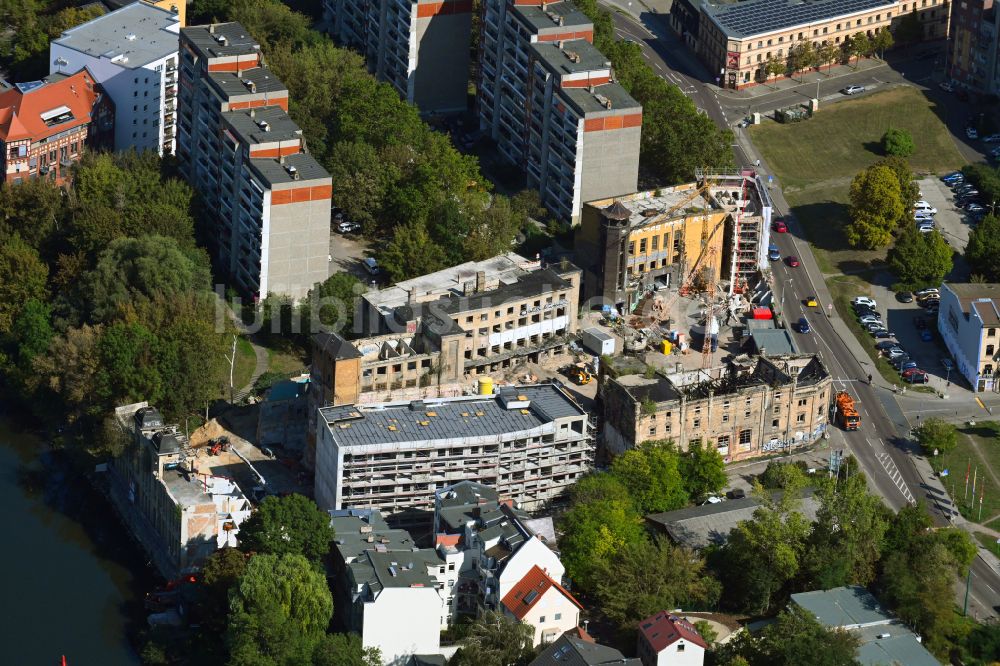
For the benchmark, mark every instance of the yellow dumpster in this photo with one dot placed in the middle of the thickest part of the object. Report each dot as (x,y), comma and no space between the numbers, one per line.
(485,386)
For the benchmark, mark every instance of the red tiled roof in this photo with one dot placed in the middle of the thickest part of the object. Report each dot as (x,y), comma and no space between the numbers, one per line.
(664,629)
(447,539)
(21,113)
(581,633)
(523,596)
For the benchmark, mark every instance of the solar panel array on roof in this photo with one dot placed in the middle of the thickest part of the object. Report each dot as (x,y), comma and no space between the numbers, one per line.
(762,16)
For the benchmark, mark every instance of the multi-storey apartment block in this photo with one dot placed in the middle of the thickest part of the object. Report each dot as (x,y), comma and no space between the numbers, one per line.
(132,53)
(421,47)
(975,28)
(269,199)
(754,406)
(969,322)
(735,40)
(548,98)
(46,126)
(528,442)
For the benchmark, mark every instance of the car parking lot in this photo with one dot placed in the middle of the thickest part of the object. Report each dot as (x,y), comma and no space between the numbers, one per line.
(950,220)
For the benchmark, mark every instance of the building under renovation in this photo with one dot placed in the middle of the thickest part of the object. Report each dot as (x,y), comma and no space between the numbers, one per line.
(177,508)
(528,442)
(714,231)
(750,407)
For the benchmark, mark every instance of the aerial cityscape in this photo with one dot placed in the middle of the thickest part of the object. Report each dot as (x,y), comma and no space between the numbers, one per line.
(501,332)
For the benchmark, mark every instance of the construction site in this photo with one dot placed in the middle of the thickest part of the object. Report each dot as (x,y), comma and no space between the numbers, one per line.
(675,270)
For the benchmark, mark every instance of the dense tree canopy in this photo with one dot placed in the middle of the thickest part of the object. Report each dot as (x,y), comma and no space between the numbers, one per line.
(646,577)
(920,259)
(983,249)
(496,639)
(876,208)
(936,435)
(292,524)
(795,638)
(279,612)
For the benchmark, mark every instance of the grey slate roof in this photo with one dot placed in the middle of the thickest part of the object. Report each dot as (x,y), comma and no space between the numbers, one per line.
(701,526)
(354,527)
(573,651)
(857,610)
(335,346)
(476,416)
(137,31)
(566,12)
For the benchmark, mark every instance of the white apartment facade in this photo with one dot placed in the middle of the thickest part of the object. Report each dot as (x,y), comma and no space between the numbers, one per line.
(529,442)
(969,322)
(132,53)
(420,47)
(543,603)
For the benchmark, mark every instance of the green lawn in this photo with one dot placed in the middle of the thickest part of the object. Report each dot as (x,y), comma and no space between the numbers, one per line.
(245,363)
(287,361)
(815,161)
(987,436)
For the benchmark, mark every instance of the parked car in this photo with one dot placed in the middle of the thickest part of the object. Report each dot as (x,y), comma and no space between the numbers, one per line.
(916,376)
(780,227)
(906,365)
(792,261)
(864,300)
(924,206)
(920,293)
(870,319)
(971,133)
(975,208)
(895,351)
(926,335)
(947,87)
(904,297)
(852,90)
(348,227)
(882,335)
(371,266)
(925,228)
(804,325)
(898,361)
(992,138)
(885,346)
(953,177)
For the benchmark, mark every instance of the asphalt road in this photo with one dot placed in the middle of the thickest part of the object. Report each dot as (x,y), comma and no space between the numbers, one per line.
(881,445)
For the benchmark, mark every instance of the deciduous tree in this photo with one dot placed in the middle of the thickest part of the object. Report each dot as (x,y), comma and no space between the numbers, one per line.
(703,470)
(920,259)
(345,650)
(646,577)
(795,638)
(279,612)
(652,474)
(495,639)
(601,520)
(763,555)
(936,434)
(983,249)
(411,252)
(288,525)
(876,208)
(883,41)
(23,277)
(897,141)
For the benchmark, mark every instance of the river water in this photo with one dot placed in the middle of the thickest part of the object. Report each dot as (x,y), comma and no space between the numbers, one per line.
(71,575)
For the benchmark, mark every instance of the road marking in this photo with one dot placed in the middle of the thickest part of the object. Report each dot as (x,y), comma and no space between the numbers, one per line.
(894,475)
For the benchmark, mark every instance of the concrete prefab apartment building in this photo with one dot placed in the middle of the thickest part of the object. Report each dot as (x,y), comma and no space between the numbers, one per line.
(529,442)
(421,47)
(759,406)
(548,98)
(132,53)
(735,40)
(270,200)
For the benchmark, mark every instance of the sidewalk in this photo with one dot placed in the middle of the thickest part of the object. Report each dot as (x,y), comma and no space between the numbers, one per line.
(802,79)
